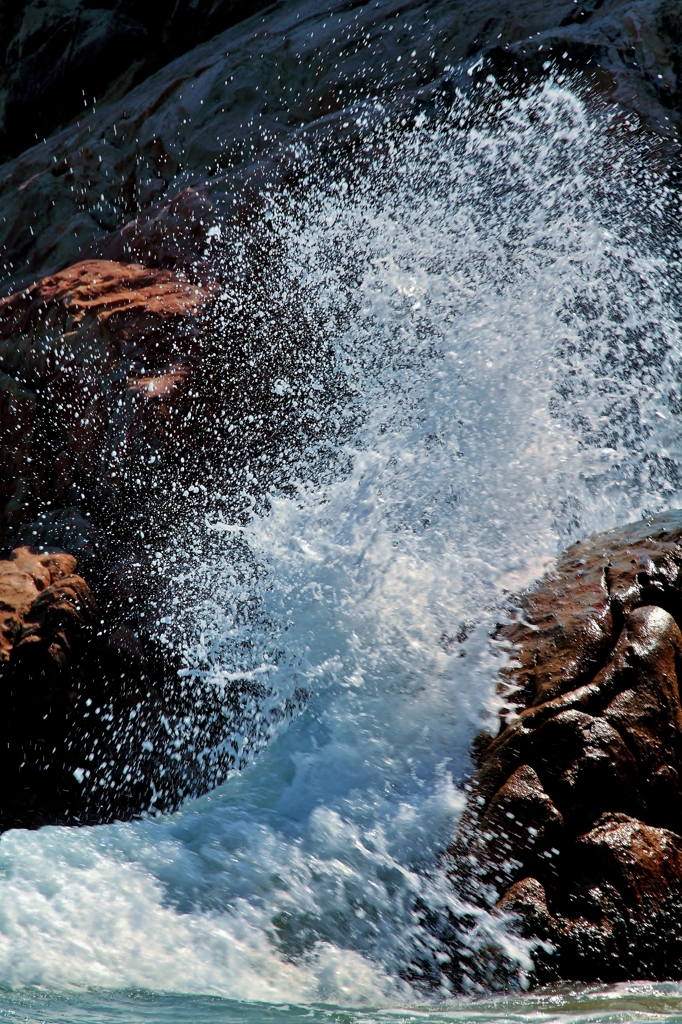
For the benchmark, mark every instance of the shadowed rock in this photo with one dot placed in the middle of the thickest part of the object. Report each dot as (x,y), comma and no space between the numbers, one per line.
(178,148)
(48,620)
(128,396)
(96,365)
(574,818)
(61,57)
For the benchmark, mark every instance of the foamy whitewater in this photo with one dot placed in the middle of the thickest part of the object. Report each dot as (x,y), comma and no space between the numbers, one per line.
(502,306)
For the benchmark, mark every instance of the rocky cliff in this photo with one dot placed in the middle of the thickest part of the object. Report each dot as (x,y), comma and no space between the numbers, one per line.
(208,122)
(62,58)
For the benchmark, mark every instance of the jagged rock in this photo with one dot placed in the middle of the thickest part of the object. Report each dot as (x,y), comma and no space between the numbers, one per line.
(573,825)
(24,577)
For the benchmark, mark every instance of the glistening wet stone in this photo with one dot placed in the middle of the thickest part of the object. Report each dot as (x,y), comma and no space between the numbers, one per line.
(573,825)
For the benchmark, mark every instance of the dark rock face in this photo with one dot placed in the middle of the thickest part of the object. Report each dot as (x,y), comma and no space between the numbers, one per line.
(126,393)
(96,365)
(58,676)
(208,120)
(574,818)
(60,57)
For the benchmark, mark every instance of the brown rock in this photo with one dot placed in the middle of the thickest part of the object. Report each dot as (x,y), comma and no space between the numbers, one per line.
(46,620)
(71,687)
(574,820)
(23,578)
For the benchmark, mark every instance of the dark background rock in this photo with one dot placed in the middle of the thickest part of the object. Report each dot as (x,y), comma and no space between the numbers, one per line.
(61,57)
(573,824)
(208,119)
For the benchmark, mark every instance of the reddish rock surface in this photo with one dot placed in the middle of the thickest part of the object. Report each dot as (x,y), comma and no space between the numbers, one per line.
(48,636)
(96,365)
(36,589)
(574,818)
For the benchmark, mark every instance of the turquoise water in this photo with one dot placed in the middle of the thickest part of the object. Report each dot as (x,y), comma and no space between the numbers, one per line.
(506,326)
(641,1003)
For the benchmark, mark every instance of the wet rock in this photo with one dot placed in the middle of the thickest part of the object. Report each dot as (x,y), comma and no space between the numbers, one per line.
(130,398)
(96,365)
(85,710)
(62,57)
(47,619)
(87,702)
(221,116)
(24,577)
(573,825)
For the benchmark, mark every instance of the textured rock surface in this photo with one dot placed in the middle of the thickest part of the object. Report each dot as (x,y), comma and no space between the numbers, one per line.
(48,617)
(203,123)
(23,577)
(96,365)
(574,817)
(71,688)
(63,55)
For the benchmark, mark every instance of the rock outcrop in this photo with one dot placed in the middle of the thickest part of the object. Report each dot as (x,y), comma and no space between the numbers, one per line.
(96,372)
(128,397)
(98,404)
(573,826)
(48,635)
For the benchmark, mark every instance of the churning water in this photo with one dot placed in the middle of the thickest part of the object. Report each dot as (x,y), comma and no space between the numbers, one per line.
(498,294)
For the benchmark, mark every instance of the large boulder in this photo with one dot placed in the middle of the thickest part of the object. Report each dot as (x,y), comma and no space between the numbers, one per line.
(573,827)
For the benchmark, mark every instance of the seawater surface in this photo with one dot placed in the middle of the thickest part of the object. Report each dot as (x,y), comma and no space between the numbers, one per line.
(499,292)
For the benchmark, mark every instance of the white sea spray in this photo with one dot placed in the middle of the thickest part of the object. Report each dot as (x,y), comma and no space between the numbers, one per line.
(504,322)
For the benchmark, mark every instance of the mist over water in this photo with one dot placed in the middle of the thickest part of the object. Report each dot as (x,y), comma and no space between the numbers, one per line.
(487,310)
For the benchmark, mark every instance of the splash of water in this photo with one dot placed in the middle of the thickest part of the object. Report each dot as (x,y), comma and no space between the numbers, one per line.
(483,363)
